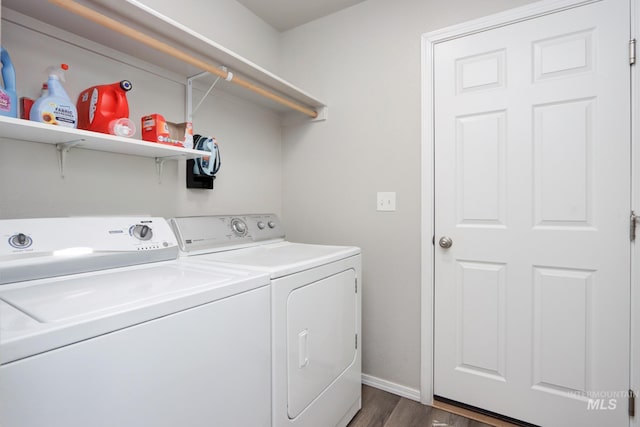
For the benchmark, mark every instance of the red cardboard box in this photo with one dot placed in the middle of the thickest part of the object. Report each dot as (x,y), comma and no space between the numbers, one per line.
(156,129)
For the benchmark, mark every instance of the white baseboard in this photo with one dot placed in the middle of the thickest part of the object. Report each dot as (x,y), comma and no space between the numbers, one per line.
(400,390)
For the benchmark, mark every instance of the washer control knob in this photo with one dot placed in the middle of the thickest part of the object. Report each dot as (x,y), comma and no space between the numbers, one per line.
(20,241)
(261,225)
(271,224)
(239,227)
(142,232)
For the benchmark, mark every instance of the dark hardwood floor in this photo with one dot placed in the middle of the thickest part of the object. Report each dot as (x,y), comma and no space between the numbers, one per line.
(382,409)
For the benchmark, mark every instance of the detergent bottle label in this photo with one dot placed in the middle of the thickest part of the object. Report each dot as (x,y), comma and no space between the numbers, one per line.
(58,114)
(93,105)
(5,102)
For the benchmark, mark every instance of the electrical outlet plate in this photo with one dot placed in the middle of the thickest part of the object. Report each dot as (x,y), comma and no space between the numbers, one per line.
(386,201)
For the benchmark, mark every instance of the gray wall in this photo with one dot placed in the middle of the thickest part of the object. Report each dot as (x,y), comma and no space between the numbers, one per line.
(365,63)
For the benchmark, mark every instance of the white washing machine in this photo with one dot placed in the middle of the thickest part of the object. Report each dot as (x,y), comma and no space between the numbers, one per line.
(101,325)
(316,310)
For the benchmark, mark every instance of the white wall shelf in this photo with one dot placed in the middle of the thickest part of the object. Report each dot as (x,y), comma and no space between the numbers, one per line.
(138,16)
(66,139)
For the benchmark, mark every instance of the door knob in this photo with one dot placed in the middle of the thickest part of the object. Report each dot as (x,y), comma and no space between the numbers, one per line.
(445,242)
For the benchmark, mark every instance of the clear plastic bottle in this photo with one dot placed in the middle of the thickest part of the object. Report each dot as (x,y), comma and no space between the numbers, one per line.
(55,107)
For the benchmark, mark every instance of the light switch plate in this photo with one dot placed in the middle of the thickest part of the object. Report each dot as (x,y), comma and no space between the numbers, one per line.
(386,201)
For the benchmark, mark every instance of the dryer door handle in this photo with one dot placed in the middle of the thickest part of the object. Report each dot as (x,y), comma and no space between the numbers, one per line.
(303,349)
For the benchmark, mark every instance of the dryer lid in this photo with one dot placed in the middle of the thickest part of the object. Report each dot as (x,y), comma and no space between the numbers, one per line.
(283,258)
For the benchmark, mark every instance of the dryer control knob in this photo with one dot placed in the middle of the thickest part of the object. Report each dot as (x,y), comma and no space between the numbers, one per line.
(272,224)
(239,227)
(261,225)
(142,232)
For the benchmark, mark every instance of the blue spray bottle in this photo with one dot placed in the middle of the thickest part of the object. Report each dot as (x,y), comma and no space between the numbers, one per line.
(55,107)
(8,97)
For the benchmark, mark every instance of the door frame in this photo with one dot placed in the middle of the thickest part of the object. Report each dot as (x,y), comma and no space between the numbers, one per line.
(635,205)
(429,41)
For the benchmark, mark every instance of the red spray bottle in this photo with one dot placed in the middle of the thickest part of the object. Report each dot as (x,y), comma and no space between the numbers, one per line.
(99,105)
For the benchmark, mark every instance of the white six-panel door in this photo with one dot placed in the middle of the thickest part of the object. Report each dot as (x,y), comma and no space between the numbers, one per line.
(532,185)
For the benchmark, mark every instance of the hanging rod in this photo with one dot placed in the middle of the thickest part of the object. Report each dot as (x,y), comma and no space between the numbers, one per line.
(121,28)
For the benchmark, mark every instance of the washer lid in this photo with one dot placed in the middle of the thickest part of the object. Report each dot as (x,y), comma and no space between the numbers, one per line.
(101,294)
(13,319)
(44,314)
(283,258)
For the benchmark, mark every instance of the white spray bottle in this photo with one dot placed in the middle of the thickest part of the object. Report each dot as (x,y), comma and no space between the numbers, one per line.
(55,107)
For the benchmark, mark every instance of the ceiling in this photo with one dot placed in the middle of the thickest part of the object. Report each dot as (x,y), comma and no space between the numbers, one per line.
(286,14)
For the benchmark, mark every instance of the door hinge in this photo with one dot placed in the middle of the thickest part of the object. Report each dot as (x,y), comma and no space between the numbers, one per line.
(356,341)
(632,403)
(633,221)
(632,51)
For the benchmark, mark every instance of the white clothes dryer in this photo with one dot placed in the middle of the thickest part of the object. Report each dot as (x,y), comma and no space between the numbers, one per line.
(101,325)
(316,312)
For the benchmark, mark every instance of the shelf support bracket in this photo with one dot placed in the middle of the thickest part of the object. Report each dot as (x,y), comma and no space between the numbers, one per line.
(63,149)
(190,110)
(160,164)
